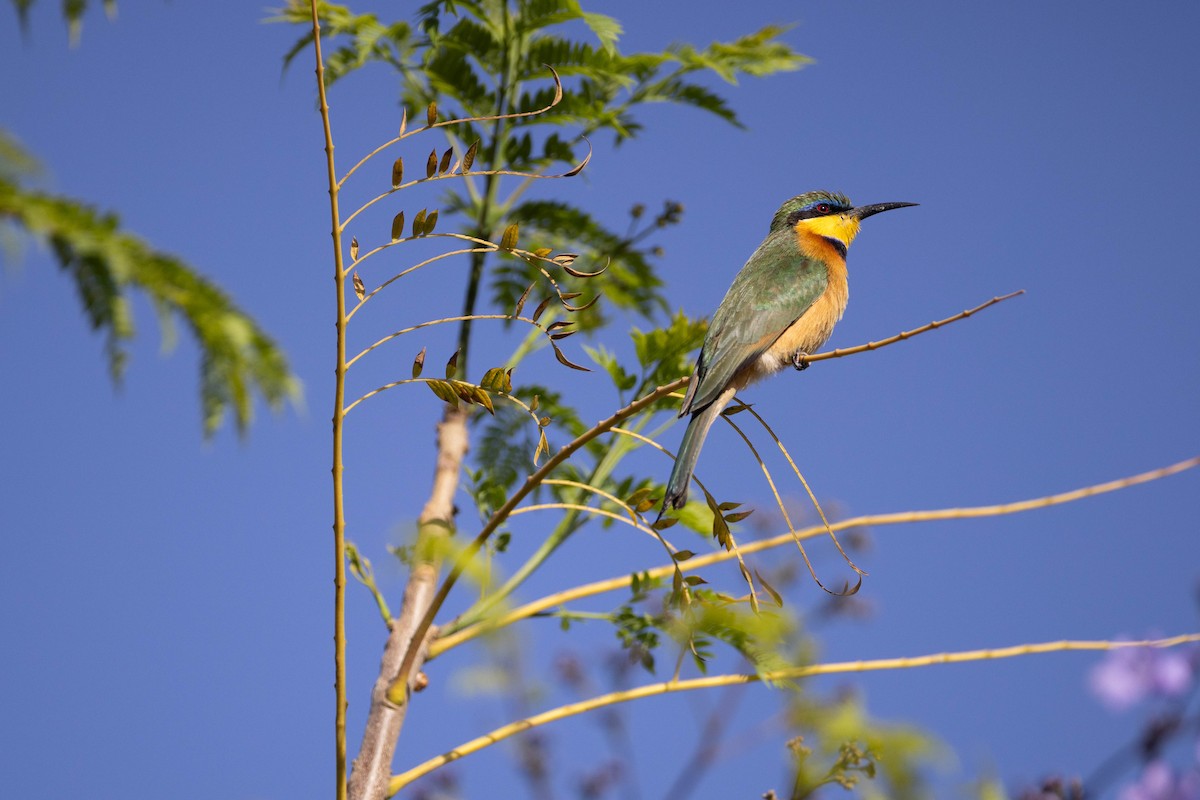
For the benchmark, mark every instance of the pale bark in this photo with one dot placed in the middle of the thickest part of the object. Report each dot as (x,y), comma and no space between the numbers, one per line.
(373,765)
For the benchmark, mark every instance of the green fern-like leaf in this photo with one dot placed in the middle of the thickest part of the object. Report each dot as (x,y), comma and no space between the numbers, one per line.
(237,359)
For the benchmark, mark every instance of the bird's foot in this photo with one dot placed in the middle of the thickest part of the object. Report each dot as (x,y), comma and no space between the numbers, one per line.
(800,361)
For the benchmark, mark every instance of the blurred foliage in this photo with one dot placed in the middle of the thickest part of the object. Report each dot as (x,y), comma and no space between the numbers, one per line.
(848,745)
(72,13)
(835,746)
(237,359)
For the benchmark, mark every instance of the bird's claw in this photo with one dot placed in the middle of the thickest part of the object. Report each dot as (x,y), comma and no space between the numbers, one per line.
(800,361)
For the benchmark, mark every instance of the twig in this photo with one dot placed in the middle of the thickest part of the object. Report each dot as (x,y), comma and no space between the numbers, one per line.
(811,496)
(364,573)
(849,351)
(794,673)
(414,267)
(584,487)
(339,521)
(443,321)
(600,512)
(454,636)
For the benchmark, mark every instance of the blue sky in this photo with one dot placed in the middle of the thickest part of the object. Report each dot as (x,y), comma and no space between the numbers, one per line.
(167,603)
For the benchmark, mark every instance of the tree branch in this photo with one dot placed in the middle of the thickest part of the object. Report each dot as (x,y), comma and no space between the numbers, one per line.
(398,782)
(339,518)
(456,635)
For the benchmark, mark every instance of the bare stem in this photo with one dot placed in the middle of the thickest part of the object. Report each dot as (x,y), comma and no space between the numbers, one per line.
(413,268)
(339,519)
(803,482)
(398,782)
(443,321)
(899,337)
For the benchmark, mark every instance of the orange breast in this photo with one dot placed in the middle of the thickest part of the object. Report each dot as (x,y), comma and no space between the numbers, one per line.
(807,334)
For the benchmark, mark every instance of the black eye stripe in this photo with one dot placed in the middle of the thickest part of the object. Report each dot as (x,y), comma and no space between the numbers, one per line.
(813,211)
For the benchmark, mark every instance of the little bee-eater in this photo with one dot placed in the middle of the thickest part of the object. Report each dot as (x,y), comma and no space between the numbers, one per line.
(781,307)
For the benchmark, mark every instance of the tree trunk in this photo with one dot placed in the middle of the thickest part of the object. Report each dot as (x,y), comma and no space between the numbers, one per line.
(373,766)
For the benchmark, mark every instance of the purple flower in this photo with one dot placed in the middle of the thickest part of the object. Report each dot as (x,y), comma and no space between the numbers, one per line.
(1159,782)
(1172,673)
(1154,784)
(1127,676)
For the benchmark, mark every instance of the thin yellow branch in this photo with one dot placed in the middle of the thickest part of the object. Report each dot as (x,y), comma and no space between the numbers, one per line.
(401,780)
(583,487)
(647,440)
(339,518)
(466,251)
(899,337)
(484,243)
(601,512)
(445,642)
(432,322)
(641,438)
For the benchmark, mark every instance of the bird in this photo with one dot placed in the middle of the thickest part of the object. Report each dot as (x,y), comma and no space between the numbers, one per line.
(781,307)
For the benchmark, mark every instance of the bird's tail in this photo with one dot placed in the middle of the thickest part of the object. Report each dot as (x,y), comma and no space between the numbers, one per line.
(689,452)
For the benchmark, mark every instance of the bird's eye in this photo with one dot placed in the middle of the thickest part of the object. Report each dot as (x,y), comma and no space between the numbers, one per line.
(822,208)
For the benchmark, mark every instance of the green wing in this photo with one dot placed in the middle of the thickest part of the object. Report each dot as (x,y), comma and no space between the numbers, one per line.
(773,290)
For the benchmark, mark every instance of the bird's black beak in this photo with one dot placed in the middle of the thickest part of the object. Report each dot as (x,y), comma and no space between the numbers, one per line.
(862,212)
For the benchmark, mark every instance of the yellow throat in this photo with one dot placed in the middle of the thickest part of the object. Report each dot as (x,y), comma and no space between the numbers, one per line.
(841,227)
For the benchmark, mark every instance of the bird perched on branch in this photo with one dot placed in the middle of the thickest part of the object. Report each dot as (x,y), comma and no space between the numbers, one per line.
(781,307)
